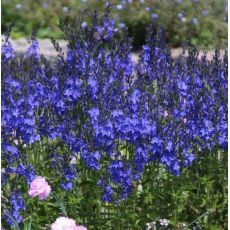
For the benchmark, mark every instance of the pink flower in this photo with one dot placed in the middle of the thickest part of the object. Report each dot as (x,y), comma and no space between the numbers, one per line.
(39,187)
(65,223)
(81,228)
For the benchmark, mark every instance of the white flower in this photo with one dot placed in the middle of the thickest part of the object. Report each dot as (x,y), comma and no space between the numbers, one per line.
(183,19)
(73,161)
(119,7)
(164,222)
(65,9)
(18,6)
(16,142)
(139,188)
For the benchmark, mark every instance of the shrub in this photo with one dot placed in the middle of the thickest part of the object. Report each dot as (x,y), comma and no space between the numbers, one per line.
(94,108)
(190,22)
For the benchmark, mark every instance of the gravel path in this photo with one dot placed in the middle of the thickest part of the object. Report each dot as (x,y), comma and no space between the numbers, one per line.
(47,49)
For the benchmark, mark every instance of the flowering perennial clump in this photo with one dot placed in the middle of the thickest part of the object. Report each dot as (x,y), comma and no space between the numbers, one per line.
(99,104)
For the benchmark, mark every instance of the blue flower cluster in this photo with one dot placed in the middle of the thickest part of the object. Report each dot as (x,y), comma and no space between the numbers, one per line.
(12,213)
(102,107)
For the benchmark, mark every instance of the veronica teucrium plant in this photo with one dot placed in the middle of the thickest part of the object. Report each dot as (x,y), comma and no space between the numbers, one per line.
(102,107)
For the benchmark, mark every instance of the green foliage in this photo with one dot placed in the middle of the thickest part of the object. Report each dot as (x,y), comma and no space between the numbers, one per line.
(209,31)
(198,195)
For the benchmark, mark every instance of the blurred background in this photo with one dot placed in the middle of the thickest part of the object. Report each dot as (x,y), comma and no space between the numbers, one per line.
(201,23)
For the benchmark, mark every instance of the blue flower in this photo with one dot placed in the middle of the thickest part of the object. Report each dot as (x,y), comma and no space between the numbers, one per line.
(195,21)
(107,194)
(7,51)
(154,16)
(204,12)
(92,159)
(180,15)
(83,25)
(12,214)
(33,49)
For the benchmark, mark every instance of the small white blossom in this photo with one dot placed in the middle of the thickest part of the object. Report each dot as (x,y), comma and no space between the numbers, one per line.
(73,161)
(139,188)
(183,19)
(164,222)
(18,6)
(16,142)
(65,9)
(119,7)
